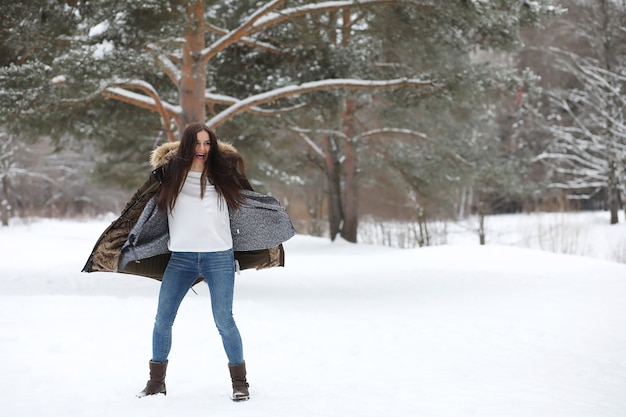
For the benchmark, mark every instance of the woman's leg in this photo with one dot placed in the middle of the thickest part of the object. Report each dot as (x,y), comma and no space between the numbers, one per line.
(218,269)
(180,274)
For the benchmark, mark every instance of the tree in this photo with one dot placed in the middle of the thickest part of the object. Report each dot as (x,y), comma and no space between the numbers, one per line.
(113,57)
(388,41)
(172,58)
(465,103)
(34,182)
(588,151)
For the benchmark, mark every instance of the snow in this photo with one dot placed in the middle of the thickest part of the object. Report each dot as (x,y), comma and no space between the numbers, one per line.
(99,29)
(102,49)
(59,79)
(456,330)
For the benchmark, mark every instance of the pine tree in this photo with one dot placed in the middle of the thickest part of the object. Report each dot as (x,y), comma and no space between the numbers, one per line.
(187,60)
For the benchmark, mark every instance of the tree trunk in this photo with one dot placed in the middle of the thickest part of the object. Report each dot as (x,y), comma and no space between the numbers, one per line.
(608,52)
(351,196)
(5,208)
(333,175)
(193,79)
(351,202)
(351,205)
(481,222)
(315,204)
(424,237)
(4,212)
(613,189)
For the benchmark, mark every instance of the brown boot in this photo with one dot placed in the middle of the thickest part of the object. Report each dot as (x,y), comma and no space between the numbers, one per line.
(156,384)
(240,385)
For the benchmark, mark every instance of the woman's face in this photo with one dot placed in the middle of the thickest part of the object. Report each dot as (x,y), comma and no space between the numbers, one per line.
(203,146)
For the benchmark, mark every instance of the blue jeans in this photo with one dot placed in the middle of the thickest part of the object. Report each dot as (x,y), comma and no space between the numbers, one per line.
(218,270)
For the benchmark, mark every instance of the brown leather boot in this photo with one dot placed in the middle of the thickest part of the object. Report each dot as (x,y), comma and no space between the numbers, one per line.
(156,384)
(240,385)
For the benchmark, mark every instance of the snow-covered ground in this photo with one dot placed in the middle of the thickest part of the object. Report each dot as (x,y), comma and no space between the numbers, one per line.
(586,234)
(455,330)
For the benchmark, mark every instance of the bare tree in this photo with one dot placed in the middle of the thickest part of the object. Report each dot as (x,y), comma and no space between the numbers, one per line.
(588,152)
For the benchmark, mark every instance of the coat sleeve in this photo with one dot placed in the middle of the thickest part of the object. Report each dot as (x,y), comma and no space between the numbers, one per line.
(260,223)
(106,252)
(148,238)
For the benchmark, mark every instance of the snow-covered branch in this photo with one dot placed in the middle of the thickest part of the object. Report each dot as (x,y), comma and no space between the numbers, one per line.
(235,35)
(165,64)
(565,106)
(330,6)
(303,134)
(86,99)
(395,131)
(14,172)
(150,101)
(294,90)
(266,17)
(370,134)
(412,134)
(246,40)
(573,160)
(212,98)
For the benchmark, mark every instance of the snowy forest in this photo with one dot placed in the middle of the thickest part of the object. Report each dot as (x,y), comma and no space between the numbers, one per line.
(346,111)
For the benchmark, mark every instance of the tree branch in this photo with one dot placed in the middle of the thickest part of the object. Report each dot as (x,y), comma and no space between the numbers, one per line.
(237,34)
(264,18)
(165,64)
(303,134)
(212,98)
(329,6)
(151,102)
(413,134)
(246,40)
(323,85)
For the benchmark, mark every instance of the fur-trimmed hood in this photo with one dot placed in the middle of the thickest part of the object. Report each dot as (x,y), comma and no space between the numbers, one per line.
(165,152)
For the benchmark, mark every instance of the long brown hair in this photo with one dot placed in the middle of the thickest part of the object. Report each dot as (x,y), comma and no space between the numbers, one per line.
(222,169)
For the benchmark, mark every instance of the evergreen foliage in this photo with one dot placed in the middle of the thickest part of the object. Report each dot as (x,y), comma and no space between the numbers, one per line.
(61,59)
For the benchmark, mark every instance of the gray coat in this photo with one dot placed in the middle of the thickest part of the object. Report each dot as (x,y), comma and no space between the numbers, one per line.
(259,223)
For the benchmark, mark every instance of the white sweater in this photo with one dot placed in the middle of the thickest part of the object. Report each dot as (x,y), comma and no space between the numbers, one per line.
(199,224)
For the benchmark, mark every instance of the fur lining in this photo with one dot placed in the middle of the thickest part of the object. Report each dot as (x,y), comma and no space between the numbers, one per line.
(165,152)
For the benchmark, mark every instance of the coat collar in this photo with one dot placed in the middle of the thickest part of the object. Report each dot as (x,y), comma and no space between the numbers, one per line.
(165,152)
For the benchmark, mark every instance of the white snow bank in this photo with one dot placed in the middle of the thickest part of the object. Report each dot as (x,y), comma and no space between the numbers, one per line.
(342,330)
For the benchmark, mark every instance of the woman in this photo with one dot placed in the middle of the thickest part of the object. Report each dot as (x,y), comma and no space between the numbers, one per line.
(187,216)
